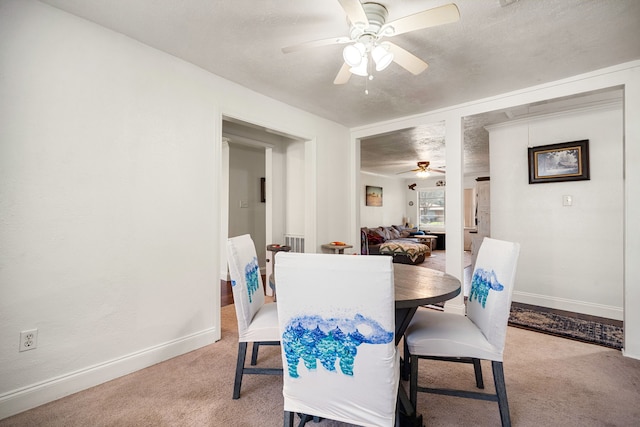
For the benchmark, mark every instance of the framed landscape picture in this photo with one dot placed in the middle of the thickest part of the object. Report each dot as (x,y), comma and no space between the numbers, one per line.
(374,196)
(567,161)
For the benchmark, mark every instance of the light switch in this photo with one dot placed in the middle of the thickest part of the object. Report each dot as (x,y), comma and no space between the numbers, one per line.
(244,204)
(567,200)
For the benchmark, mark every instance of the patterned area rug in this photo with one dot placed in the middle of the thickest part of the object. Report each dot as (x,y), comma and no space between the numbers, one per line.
(568,327)
(541,321)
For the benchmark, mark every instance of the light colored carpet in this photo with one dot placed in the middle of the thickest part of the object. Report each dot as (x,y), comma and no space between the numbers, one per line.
(551,381)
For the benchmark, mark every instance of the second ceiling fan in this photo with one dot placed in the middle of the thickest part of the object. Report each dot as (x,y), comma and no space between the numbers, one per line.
(368,26)
(423,170)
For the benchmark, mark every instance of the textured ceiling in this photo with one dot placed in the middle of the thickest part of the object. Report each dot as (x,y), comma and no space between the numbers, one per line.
(401,150)
(492,49)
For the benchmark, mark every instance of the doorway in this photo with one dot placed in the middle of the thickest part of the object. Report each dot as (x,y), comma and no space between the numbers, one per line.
(258,165)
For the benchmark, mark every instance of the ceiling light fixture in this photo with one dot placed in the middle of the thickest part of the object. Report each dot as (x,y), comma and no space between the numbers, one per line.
(354,53)
(362,69)
(423,174)
(357,57)
(368,26)
(382,56)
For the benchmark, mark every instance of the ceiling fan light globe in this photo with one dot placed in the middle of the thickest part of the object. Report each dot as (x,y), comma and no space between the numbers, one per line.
(422,174)
(362,69)
(382,57)
(353,54)
(382,65)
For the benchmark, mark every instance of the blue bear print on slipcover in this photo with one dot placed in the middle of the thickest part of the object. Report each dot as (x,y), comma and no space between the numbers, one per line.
(251,271)
(313,338)
(482,281)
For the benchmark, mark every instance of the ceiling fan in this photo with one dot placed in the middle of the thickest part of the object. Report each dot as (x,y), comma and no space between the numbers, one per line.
(423,170)
(368,26)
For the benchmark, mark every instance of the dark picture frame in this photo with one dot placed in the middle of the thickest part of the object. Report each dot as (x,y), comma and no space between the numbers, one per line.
(567,161)
(373,195)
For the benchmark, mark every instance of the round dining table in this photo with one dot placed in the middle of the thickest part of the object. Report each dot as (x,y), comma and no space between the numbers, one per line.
(416,286)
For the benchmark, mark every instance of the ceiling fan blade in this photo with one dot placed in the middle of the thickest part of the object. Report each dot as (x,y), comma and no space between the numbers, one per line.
(407,60)
(355,12)
(428,18)
(412,170)
(436,170)
(316,43)
(343,75)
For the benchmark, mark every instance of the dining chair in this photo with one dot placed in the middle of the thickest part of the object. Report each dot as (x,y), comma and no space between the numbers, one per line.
(337,326)
(480,335)
(257,319)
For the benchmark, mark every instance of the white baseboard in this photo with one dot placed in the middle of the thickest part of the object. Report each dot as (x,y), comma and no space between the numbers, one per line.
(29,397)
(592,309)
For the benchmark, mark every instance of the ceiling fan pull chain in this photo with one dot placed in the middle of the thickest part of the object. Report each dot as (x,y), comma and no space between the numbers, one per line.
(366,80)
(369,77)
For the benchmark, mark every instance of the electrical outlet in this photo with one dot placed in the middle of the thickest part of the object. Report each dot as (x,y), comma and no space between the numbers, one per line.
(28,340)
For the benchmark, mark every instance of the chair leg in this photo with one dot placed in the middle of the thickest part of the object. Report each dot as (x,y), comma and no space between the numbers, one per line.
(405,369)
(237,383)
(288,419)
(304,419)
(413,383)
(478,371)
(501,392)
(254,353)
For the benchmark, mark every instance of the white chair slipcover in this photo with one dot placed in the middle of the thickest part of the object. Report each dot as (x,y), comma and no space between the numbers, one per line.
(257,320)
(478,335)
(337,322)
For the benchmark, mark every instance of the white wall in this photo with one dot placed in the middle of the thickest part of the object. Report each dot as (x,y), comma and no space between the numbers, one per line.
(246,167)
(394,205)
(276,193)
(295,188)
(109,193)
(571,256)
